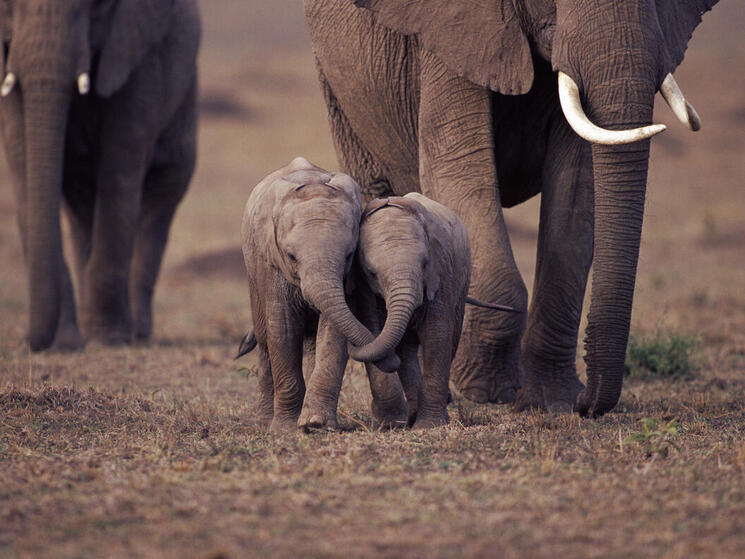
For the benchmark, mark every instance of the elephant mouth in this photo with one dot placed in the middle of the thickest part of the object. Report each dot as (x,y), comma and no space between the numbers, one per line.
(571,105)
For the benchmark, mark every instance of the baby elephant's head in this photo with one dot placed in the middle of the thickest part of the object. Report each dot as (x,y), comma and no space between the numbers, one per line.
(397,257)
(316,228)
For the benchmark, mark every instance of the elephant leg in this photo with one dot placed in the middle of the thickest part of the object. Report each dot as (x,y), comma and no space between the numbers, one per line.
(437,352)
(410,373)
(266,385)
(285,330)
(457,169)
(322,396)
(124,158)
(389,407)
(165,185)
(309,357)
(565,242)
(355,160)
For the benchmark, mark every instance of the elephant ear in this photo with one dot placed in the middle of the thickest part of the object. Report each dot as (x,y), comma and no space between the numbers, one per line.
(136,26)
(480,40)
(678,19)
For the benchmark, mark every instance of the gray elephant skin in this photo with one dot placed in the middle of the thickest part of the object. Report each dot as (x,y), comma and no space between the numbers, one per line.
(480,105)
(414,263)
(98,115)
(300,230)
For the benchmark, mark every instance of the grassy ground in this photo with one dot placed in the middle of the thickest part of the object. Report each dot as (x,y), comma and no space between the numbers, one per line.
(154,451)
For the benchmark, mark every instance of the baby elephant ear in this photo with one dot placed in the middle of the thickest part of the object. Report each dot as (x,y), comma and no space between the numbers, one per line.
(480,40)
(136,26)
(678,19)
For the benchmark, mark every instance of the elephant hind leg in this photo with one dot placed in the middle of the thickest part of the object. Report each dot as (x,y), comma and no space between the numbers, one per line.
(165,185)
(354,158)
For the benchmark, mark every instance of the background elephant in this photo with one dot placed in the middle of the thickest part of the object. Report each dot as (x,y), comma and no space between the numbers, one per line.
(98,112)
(300,230)
(461,101)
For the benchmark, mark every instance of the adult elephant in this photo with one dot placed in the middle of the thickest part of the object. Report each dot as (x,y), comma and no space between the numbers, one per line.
(98,110)
(473,102)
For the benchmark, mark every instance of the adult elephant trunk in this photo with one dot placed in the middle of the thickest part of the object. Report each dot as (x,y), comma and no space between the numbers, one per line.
(400,304)
(620,172)
(45,113)
(327,294)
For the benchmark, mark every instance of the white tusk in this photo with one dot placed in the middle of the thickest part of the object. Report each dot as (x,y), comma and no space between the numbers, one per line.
(575,115)
(8,83)
(681,108)
(84,83)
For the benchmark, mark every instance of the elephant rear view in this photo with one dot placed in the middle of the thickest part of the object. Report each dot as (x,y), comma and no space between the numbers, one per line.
(98,114)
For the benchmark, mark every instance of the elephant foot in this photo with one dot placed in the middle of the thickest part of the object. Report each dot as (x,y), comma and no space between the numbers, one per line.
(390,415)
(492,377)
(68,338)
(317,418)
(557,394)
(561,399)
(283,424)
(530,397)
(428,421)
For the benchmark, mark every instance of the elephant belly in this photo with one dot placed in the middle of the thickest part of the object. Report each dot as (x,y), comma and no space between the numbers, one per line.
(373,73)
(81,151)
(521,126)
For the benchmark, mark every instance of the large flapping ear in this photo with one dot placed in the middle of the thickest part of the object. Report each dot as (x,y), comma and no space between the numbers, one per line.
(135,27)
(678,19)
(480,40)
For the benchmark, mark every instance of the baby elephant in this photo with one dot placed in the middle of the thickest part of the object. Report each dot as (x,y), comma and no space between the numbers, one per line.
(300,230)
(415,266)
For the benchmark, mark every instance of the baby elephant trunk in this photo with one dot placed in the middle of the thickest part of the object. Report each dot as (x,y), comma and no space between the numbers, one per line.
(400,305)
(328,297)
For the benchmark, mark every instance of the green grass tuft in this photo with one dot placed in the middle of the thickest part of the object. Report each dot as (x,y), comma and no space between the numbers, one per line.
(661,355)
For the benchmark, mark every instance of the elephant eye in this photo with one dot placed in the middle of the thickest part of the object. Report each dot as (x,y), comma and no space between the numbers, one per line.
(291,257)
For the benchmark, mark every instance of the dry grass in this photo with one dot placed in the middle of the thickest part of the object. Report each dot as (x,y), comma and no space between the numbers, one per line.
(154,451)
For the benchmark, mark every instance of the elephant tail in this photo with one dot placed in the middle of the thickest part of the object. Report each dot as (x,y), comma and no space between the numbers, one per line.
(493,306)
(248,343)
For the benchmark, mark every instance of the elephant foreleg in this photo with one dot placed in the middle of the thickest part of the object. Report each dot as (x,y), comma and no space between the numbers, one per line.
(322,396)
(435,332)
(565,241)
(389,407)
(410,373)
(457,168)
(284,332)
(165,185)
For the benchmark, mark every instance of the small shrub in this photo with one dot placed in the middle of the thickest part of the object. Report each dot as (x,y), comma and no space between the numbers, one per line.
(656,436)
(662,355)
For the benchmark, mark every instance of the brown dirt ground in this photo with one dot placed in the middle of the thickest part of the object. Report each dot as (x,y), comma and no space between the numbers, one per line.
(154,451)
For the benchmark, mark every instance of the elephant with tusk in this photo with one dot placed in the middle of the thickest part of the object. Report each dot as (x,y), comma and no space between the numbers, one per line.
(300,229)
(98,115)
(481,105)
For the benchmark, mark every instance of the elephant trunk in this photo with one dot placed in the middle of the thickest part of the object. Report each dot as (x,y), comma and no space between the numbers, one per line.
(400,305)
(45,108)
(620,173)
(326,293)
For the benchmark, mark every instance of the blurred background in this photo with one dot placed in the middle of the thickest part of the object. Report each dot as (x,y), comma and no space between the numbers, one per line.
(261,106)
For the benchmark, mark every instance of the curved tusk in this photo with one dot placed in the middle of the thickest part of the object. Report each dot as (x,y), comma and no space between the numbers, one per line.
(8,83)
(681,108)
(84,83)
(575,115)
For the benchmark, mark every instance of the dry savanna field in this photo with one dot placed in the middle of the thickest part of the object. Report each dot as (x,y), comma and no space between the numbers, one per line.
(155,451)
